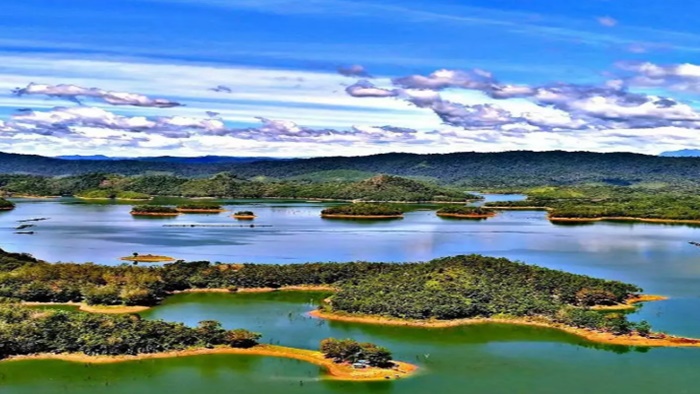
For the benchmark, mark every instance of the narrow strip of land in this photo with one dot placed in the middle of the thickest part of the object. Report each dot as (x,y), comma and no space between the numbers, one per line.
(335,371)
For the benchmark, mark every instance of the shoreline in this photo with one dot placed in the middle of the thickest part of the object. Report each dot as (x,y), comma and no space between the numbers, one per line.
(590,335)
(622,218)
(342,216)
(186,210)
(81,306)
(244,217)
(506,208)
(630,303)
(335,371)
(258,289)
(123,309)
(654,340)
(154,214)
(466,216)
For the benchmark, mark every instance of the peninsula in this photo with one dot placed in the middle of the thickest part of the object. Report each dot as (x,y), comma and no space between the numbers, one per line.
(102,338)
(6,205)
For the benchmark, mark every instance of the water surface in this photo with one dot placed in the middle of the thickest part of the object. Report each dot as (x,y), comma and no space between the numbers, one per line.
(487,358)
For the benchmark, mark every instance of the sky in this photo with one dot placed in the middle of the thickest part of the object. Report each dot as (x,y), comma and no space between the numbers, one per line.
(287,78)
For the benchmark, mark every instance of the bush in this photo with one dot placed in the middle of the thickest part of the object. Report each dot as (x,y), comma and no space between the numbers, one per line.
(348,350)
(241,338)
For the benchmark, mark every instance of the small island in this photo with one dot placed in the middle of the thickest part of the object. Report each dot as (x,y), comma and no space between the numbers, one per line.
(244,215)
(153,210)
(199,208)
(464,212)
(110,194)
(6,205)
(363,211)
(147,258)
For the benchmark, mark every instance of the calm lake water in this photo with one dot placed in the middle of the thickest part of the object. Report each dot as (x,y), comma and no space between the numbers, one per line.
(480,359)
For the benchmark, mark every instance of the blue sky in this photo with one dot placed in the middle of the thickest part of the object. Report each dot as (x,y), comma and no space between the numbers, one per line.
(140,77)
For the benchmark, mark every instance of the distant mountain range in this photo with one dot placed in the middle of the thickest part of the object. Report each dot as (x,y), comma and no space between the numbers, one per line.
(171,159)
(502,170)
(681,153)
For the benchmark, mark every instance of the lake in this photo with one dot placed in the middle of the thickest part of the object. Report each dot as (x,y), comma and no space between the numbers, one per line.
(487,358)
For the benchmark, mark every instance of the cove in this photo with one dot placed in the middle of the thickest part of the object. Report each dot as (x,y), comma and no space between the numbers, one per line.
(483,358)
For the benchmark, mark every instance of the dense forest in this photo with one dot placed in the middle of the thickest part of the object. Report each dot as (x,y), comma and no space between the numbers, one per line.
(364,209)
(517,169)
(448,288)
(464,210)
(378,188)
(153,209)
(596,202)
(29,331)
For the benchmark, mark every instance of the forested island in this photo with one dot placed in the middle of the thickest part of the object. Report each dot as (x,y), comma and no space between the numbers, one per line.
(199,208)
(6,205)
(465,212)
(442,292)
(363,211)
(573,204)
(244,215)
(154,210)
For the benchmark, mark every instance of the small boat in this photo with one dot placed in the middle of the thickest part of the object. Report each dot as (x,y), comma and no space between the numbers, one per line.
(24,232)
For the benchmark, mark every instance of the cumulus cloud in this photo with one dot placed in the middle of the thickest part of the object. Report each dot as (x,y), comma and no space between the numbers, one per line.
(365,88)
(354,70)
(565,106)
(69,122)
(76,93)
(443,79)
(684,77)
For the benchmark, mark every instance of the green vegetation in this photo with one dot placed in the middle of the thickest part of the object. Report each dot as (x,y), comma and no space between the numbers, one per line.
(351,351)
(104,186)
(25,331)
(112,194)
(598,202)
(6,205)
(464,210)
(471,170)
(476,286)
(448,288)
(364,209)
(153,209)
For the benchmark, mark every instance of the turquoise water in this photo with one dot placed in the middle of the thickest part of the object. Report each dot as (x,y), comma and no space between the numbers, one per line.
(481,359)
